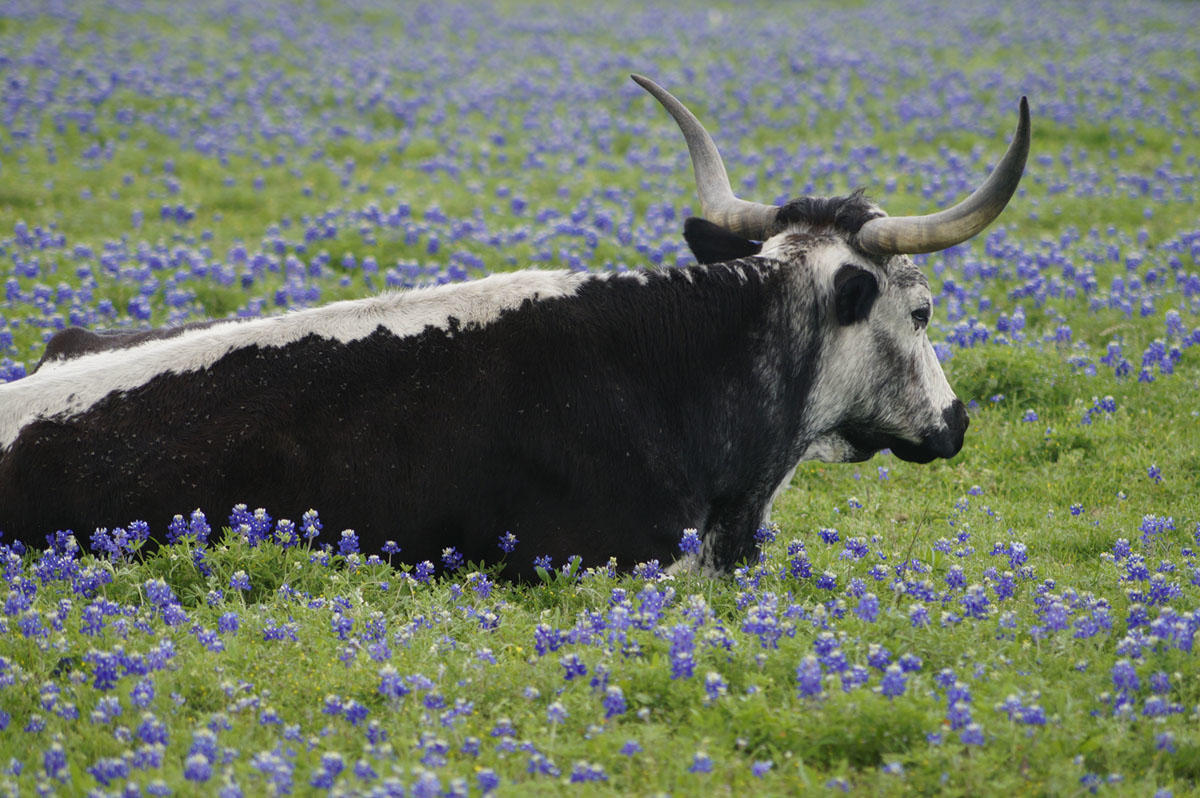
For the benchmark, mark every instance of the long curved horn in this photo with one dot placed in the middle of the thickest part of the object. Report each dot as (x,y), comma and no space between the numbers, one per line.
(720,206)
(937,231)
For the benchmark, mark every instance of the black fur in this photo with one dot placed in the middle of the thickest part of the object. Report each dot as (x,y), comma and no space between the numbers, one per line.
(711,243)
(598,424)
(844,215)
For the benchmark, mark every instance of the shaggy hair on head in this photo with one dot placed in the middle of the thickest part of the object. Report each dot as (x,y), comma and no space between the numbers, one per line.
(842,214)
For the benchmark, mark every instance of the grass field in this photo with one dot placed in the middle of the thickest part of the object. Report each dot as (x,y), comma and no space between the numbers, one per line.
(1020,619)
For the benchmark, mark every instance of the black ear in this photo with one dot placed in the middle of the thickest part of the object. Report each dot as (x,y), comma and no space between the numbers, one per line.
(712,243)
(854,292)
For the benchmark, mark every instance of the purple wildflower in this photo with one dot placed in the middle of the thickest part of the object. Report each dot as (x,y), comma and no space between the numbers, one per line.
(690,542)
(808,677)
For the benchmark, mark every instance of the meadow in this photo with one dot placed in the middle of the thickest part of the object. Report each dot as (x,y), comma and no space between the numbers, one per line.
(1019,619)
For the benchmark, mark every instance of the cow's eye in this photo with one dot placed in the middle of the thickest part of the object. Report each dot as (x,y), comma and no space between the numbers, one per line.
(920,317)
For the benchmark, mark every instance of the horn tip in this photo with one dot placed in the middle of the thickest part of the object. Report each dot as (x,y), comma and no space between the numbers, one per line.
(1023,121)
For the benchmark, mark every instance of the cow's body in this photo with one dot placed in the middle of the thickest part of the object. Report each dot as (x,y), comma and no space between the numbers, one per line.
(597,415)
(588,415)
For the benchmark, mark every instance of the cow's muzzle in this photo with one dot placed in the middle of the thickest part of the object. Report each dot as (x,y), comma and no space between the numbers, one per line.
(945,441)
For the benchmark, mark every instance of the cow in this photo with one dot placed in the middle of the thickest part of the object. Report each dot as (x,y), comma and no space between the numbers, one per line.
(589,414)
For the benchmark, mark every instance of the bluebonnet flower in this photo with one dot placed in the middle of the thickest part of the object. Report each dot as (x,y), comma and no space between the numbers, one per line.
(1160,682)
(701,763)
(894,682)
(614,701)
(105,669)
(423,571)
(556,713)
(239,581)
(540,763)
(1124,676)
(630,748)
(808,677)
(481,584)
(690,542)
(174,615)
(572,666)
(546,639)
(198,527)
(878,656)
(1153,526)
(829,535)
(488,780)
(176,529)
(868,608)
(228,623)
(972,734)
(798,563)
(1155,706)
(310,524)
(855,549)
(54,763)
(285,534)
(1155,473)
(197,768)
(355,712)
(714,686)
(762,620)
(364,772)
(106,710)
(682,637)
(259,523)
(543,561)
(159,593)
(508,542)
(958,714)
(918,615)
(854,677)
(587,772)
(1161,591)
(332,765)
(107,770)
(348,543)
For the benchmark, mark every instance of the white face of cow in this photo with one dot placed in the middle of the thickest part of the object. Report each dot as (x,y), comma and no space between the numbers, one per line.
(879,384)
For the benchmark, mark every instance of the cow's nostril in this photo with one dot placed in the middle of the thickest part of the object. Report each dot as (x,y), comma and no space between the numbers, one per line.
(955,417)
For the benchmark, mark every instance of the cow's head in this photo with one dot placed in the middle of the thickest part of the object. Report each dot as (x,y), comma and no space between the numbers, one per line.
(879,384)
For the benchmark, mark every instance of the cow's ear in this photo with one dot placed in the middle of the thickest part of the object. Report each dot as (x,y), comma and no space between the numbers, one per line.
(854,291)
(711,243)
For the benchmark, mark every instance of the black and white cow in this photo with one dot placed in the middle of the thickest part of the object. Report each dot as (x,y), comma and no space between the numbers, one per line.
(589,414)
